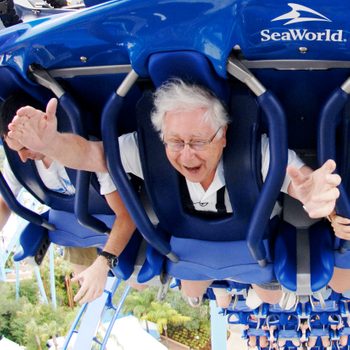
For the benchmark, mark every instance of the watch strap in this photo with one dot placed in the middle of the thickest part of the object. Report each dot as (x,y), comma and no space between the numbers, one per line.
(112,259)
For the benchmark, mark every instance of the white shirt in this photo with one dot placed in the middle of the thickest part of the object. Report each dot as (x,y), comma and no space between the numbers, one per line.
(55,178)
(131,162)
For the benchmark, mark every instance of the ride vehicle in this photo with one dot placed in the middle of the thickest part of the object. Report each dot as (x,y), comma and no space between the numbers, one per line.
(281,68)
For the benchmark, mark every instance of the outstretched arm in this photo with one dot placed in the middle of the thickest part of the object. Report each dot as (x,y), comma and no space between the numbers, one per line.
(93,279)
(37,131)
(317,190)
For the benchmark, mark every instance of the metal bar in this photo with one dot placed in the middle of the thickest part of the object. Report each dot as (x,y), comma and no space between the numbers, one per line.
(295,64)
(17,279)
(303,263)
(86,71)
(218,325)
(42,77)
(240,71)
(127,83)
(40,284)
(52,278)
(346,86)
(115,316)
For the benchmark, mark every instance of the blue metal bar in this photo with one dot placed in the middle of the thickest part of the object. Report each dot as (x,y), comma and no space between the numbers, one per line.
(81,204)
(17,279)
(329,120)
(74,326)
(115,316)
(110,115)
(218,327)
(52,277)
(81,199)
(19,209)
(271,188)
(40,285)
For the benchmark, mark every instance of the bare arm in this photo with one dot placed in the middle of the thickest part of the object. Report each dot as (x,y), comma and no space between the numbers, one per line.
(37,130)
(317,189)
(123,227)
(76,152)
(93,279)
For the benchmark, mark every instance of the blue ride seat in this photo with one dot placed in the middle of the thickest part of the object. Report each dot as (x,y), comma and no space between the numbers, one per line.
(321,255)
(192,236)
(251,200)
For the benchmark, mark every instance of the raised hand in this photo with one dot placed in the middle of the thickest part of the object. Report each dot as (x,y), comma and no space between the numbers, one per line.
(317,190)
(35,129)
(92,281)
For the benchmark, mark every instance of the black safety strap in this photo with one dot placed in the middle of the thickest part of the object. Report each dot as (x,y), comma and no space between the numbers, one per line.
(189,207)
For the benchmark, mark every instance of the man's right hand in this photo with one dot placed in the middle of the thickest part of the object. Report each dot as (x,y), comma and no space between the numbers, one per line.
(35,129)
(92,281)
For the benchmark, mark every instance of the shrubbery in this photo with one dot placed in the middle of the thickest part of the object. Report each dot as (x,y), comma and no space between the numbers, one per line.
(30,323)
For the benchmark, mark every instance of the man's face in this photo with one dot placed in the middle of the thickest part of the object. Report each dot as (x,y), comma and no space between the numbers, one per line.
(189,126)
(23,153)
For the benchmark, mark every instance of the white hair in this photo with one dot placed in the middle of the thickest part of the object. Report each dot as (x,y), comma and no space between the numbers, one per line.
(177,95)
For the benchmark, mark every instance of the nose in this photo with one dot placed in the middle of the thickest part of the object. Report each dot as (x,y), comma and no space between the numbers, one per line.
(187,152)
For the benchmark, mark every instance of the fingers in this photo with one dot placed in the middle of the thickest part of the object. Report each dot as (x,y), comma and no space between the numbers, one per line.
(87,294)
(326,196)
(76,278)
(27,111)
(341,227)
(320,212)
(341,220)
(333,179)
(51,109)
(328,166)
(79,297)
(296,176)
(342,232)
(322,204)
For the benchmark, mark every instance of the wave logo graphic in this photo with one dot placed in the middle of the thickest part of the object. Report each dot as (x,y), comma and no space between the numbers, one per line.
(300,13)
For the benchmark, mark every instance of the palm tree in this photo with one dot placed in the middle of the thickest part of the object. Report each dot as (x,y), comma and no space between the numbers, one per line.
(163,314)
(138,304)
(143,306)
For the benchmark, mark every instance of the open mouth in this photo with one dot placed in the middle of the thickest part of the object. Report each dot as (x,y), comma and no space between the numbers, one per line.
(193,169)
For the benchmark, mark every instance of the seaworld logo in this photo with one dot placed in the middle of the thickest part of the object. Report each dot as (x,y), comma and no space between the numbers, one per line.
(303,34)
(295,16)
(298,14)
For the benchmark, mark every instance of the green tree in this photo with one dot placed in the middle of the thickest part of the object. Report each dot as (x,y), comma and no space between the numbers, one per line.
(163,314)
(143,305)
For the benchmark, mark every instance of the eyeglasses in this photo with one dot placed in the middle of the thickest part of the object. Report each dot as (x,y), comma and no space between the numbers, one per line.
(195,145)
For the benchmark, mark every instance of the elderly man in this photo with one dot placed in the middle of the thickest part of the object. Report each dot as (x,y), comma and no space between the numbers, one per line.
(192,124)
(54,176)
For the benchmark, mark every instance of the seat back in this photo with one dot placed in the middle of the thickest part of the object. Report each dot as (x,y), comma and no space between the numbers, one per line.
(192,235)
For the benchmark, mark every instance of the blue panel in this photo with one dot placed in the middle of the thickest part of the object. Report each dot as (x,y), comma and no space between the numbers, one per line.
(30,240)
(196,263)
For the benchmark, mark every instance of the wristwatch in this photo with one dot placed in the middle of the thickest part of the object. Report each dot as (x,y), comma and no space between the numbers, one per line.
(112,260)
